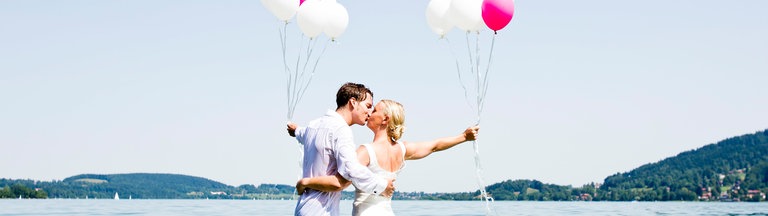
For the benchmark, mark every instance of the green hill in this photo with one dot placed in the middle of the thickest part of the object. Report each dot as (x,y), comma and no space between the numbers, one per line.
(727,169)
(735,169)
(144,186)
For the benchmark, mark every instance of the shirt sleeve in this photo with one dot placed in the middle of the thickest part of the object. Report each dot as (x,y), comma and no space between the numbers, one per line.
(300,132)
(350,168)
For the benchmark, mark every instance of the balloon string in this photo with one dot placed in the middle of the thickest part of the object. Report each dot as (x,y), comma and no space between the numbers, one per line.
(476,67)
(469,53)
(291,82)
(312,74)
(299,76)
(297,79)
(294,82)
(303,82)
(305,45)
(485,79)
(480,183)
(480,87)
(300,86)
(310,49)
(471,70)
(286,68)
(458,71)
(300,79)
(481,84)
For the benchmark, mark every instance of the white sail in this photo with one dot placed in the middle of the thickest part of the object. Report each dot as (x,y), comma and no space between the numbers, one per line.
(116,197)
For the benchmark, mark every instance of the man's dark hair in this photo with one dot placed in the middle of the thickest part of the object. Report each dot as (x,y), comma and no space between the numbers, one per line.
(351,90)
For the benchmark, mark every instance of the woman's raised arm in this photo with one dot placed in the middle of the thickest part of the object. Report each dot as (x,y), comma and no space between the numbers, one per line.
(419,150)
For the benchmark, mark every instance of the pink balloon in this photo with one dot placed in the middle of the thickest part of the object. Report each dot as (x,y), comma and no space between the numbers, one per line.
(497,13)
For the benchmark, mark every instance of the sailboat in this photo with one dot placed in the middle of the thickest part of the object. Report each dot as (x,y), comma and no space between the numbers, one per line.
(116,197)
(19,196)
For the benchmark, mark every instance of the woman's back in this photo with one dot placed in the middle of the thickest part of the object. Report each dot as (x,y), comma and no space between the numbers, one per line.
(389,157)
(383,162)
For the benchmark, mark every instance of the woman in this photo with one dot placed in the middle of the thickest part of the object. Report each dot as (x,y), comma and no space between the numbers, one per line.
(385,156)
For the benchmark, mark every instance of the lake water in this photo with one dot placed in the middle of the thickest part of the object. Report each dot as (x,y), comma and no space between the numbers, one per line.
(278,207)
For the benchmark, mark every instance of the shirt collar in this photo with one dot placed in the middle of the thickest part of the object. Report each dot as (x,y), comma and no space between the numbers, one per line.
(335,115)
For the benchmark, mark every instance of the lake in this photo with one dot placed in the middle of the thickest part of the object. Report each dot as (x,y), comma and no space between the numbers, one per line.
(285,207)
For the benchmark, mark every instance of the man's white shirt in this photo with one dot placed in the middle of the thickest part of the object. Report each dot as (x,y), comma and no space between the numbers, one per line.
(329,149)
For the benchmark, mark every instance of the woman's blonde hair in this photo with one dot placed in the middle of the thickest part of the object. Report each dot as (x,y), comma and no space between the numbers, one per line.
(396,114)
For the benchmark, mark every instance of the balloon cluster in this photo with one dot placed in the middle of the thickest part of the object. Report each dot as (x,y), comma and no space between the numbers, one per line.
(312,16)
(469,15)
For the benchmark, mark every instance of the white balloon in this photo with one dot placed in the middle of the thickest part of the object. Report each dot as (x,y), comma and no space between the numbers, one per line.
(282,9)
(438,17)
(337,19)
(467,14)
(311,18)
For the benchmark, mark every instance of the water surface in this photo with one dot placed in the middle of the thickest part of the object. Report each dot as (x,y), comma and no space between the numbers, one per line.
(416,208)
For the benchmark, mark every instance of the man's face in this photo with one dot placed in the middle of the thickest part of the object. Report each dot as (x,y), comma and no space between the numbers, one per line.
(362,110)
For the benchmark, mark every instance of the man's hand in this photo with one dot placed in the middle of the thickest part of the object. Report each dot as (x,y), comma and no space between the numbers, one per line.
(390,190)
(292,129)
(300,186)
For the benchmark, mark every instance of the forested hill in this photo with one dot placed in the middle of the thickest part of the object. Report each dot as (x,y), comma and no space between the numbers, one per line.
(140,186)
(735,169)
(143,184)
(149,179)
(724,170)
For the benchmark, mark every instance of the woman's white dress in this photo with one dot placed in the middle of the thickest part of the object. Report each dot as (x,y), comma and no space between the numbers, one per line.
(366,204)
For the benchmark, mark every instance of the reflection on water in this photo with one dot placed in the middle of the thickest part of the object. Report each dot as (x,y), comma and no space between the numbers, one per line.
(416,208)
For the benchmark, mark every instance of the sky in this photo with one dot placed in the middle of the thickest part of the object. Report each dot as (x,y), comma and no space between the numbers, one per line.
(578,90)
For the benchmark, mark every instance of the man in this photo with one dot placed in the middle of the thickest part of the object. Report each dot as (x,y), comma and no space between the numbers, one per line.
(329,149)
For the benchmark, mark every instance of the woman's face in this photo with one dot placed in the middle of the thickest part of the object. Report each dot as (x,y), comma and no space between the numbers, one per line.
(377,117)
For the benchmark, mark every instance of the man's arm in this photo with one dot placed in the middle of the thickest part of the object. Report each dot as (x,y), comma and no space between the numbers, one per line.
(295,130)
(331,183)
(323,183)
(350,168)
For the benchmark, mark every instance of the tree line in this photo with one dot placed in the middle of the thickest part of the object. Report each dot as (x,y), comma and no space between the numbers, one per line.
(735,169)
(140,186)
(21,191)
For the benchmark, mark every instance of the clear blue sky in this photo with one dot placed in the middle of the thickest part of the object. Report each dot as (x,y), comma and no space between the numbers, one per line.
(580,89)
